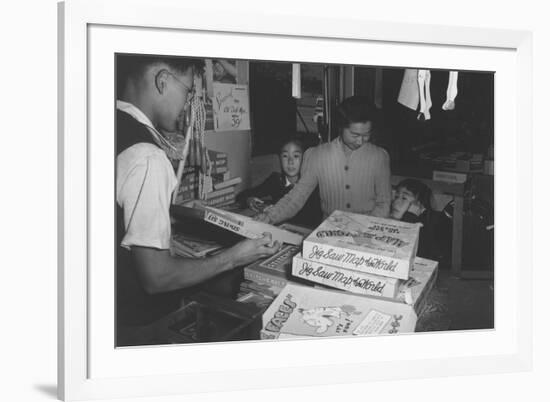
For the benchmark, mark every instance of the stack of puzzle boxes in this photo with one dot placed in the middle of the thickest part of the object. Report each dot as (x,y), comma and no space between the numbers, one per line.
(264,279)
(368,256)
(362,256)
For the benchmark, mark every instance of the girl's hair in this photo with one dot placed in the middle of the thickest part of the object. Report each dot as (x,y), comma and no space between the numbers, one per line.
(294,141)
(420,190)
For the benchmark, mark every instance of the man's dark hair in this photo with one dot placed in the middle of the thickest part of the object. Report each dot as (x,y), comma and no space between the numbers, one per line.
(133,66)
(355,109)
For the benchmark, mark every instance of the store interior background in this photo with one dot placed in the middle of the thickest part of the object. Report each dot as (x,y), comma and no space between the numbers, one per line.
(466,300)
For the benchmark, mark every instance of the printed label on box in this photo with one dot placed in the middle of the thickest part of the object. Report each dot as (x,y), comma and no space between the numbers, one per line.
(345,279)
(364,243)
(374,323)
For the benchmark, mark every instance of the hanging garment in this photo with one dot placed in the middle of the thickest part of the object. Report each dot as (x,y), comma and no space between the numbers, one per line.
(408,94)
(424,92)
(452,91)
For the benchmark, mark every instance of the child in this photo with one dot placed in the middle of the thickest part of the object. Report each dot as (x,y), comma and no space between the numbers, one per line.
(278,184)
(412,203)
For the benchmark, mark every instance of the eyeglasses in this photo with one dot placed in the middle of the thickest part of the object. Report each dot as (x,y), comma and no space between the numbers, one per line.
(187,87)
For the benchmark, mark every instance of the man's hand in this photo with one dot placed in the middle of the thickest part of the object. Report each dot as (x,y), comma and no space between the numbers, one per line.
(250,250)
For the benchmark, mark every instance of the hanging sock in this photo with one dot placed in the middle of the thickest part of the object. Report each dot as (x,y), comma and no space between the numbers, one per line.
(378,88)
(424,77)
(296,81)
(452,91)
(408,94)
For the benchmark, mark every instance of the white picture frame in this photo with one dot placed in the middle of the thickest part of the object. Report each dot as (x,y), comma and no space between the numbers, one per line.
(507,348)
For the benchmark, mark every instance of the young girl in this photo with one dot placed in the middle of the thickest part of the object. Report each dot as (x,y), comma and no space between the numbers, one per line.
(412,203)
(278,184)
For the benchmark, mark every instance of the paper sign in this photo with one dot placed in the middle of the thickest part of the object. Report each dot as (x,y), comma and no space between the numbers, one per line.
(373,323)
(231,107)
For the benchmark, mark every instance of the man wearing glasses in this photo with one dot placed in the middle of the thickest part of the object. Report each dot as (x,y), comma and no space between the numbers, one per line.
(152,93)
(352,173)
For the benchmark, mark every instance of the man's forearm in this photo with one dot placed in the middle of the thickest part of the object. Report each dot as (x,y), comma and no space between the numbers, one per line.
(160,272)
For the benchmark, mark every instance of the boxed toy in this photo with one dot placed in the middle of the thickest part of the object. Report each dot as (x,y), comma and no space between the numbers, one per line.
(344,279)
(274,270)
(301,311)
(364,243)
(415,290)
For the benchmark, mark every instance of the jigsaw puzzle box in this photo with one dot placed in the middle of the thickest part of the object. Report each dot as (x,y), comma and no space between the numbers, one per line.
(364,243)
(344,279)
(301,311)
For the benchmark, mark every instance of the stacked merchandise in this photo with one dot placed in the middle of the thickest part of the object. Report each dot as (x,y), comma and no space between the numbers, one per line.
(413,291)
(257,293)
(369,256)
(275,270)
(264,279)
(360,256)
(463,162)
(223,185)
(185,245)
(362,243)
(189,185)
(223,189)
(305,312)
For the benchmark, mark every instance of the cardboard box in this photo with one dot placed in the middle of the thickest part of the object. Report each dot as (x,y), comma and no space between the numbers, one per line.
(415,290)
(364,243)
(344,279)
(449,177)
(248,227)
(186,245)
(301,311)
(275,270)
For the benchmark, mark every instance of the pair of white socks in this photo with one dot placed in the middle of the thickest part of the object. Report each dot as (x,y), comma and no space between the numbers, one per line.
(414,91)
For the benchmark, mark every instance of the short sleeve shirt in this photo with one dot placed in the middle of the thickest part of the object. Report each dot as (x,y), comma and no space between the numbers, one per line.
(144,185)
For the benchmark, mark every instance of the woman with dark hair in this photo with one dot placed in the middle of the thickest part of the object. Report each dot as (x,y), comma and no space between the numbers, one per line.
(352,173)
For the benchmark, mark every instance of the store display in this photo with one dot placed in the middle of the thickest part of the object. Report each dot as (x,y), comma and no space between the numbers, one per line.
(364,243)
(301,311)
(344,279)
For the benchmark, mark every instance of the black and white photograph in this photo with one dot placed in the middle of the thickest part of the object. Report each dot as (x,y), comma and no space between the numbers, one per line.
(261,200)
(275,201)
